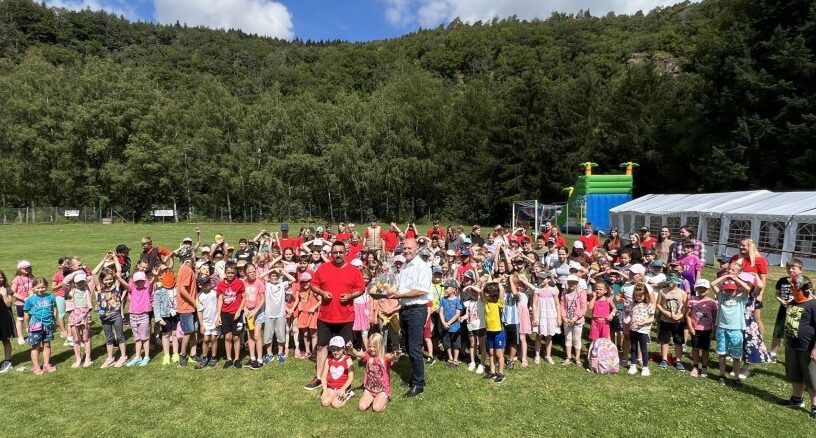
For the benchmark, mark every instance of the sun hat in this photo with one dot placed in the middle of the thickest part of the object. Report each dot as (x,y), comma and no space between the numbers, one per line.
(573,277)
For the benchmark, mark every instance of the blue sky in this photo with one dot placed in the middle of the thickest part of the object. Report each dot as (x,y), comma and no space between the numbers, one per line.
(354,20)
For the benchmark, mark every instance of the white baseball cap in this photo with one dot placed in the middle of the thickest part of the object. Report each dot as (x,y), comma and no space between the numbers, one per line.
(578,244)
(702,283)
(337,342)
(637,268)
(356,263)
(80,276)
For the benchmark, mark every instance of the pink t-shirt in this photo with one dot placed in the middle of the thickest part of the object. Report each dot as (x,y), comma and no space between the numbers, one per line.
(141,300)
(23,287)
(252,291)
(377,375)
(703,314)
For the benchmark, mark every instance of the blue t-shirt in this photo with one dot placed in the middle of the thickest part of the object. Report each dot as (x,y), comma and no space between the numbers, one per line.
(449,307)
(731,311)
(41,308)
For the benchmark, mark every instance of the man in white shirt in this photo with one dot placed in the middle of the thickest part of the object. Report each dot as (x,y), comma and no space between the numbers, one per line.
(414,293)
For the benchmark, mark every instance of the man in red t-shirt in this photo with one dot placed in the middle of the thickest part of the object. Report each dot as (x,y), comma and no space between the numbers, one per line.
(390,238)
(338,283)
(230,293)
(646,239)
(186,305)
(436,229)
(589,239)
(285,241)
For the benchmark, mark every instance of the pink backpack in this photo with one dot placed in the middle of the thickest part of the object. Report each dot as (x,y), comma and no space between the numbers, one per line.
(603,357)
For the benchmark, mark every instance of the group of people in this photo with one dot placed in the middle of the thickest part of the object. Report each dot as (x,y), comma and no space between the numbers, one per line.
(378,294)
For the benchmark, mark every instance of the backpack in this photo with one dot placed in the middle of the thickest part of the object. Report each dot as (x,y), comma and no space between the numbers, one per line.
(603,357)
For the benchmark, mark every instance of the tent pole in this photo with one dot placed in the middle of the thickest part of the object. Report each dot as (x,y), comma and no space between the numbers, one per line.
(535,220)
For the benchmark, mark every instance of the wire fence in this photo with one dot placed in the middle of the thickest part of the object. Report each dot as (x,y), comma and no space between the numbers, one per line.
(51,215)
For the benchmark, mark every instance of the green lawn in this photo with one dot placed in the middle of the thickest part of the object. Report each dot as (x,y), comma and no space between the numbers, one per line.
(539,400)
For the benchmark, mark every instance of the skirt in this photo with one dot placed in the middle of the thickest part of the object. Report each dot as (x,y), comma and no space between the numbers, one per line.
(524,324)
(547,318)
(361,317)
(79,316)
(6,323)
(307,320)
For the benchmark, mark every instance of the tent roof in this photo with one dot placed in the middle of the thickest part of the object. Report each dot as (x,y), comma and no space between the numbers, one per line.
(756,203)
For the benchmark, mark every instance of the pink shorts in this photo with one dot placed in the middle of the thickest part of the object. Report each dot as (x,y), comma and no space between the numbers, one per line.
(78,317)
(140,326)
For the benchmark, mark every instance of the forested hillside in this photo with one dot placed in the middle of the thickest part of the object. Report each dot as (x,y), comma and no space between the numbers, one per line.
(456,121)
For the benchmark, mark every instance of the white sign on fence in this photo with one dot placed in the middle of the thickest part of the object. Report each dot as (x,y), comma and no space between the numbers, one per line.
(71,213)
(164,213)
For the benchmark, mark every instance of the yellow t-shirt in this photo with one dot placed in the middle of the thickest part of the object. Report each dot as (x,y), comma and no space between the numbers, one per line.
(493,316)
(438,291)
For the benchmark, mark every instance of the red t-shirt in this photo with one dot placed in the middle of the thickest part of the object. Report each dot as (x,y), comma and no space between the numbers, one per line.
(337,281)
(440,231)
(590,242)
(760,266)
(391,238)
(560,242)
(233,294)
(290,242)
(187,280)
(342,237)
(460,271)
(410,234)
(648,242)
(352,251)
(57,279)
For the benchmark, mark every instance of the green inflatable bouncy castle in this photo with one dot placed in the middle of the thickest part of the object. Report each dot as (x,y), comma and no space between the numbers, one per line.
(590,199)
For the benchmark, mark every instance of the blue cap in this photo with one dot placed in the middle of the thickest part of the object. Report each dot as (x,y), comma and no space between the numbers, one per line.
(450,283)
(465,252)
(437,270)
(467,240)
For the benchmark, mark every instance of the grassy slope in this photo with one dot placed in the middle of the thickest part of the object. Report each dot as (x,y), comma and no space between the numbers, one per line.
(539,400)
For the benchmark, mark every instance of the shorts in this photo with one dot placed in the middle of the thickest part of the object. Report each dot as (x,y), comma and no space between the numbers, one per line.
(729,342)
(671,332)
(79,316)
(274,328)
(229,324)
(20,312)
(799,368)
(452,340)
(140,326)
(427,331)
(212,332)
(511,335)
(779,324)
(60,307)
(328,330)
(496,340)
(616,325)
(478,332)
(43,336)
(170,324)
(701,340)
(188,323)
(260,317)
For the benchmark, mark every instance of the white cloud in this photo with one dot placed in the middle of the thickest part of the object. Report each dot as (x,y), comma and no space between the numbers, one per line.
(125,8)
(430,13)
(262,17)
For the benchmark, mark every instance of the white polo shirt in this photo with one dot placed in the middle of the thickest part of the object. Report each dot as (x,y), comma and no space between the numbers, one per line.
(415,275)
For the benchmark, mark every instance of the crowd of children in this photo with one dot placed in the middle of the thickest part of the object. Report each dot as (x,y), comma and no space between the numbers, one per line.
(490,296)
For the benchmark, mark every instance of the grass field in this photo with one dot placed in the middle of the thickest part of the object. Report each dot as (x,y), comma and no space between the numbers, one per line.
(540,400)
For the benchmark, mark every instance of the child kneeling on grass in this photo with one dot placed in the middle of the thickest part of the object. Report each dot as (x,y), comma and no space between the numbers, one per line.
(377,379)
(337,375)
(800,344)
(40,315)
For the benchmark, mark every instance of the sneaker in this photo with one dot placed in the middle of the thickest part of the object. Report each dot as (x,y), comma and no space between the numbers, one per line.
(790,403)
(202,364)
(212,362)
(145,360)
(313,384)
(773,357)
(721,380)
(472,366)
(431,360)
(107,363)
(500,378)
(645,372)
(133,361)
(281,359)
(549,360)
(511,365)
(266,359)
(255,365)
(175,358)
(349,394)
(632,370)
(451,365)
(489,375)
(50,368)
(182,363)
(694,372)
(166,360)
(5,366)
(197,358)
(679,366)
(227,363)
(121,362)
(663,365)
(479,369)
(744,373)
(703,372)
(237,364)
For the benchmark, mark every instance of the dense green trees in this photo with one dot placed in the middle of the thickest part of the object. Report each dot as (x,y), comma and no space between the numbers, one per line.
(453,122)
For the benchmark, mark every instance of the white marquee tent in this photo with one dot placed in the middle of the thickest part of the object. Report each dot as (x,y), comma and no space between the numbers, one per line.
(783,225)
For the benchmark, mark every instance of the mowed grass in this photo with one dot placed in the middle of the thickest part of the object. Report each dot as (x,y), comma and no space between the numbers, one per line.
(540,400)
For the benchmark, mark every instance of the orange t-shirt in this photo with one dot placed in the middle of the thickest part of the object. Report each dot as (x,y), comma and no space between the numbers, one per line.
(187,281)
